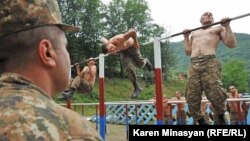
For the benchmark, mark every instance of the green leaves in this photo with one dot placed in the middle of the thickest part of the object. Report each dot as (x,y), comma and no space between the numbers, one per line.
(235,72)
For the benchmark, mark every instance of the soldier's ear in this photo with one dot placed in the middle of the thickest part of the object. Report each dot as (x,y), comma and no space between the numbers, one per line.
(46,53)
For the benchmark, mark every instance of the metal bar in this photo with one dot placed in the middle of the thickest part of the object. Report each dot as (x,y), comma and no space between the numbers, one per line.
(96,58)
(230,19)
(147,43)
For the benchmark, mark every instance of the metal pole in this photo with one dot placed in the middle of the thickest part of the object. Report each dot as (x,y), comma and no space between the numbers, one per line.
(230,19)
(96,58)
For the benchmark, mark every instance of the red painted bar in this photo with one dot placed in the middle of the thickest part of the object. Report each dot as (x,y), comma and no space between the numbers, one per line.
(69,103)
(101,94)
(158,88)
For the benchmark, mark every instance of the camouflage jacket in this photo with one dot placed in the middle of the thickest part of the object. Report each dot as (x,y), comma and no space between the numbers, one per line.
(27,113)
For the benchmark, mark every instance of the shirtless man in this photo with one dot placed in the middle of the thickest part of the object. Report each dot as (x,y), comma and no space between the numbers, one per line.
(128,47)
(84,81)
(234,107)
(167,110)
(204,68)
(181,114)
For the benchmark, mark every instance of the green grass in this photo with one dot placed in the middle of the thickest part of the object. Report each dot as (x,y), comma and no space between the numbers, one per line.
(121,90)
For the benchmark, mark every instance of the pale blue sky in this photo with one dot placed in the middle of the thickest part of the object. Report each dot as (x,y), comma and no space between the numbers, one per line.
(177,15)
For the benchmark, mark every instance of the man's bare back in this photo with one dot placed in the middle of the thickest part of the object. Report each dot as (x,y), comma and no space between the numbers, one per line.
(121,41)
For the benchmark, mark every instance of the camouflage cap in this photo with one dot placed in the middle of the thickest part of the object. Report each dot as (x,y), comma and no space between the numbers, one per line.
(20,15)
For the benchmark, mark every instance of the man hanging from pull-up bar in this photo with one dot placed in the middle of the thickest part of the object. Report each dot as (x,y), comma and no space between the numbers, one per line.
(205,68)
(128,47)
(84,81)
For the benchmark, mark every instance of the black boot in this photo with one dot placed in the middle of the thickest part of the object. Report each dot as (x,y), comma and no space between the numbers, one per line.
(67,94)
(222,119)
(137,92)
(202,121)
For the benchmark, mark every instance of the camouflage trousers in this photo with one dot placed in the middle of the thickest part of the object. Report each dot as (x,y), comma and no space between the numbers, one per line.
(79,84)
(205,76)
(130,59)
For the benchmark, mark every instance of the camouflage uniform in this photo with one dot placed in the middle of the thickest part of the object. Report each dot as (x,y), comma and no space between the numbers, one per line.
(27,113)
(81,85)
(16,16)
(130,58)
(205,74)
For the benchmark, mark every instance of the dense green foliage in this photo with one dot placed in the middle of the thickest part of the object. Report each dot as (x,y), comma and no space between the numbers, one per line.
(235,73)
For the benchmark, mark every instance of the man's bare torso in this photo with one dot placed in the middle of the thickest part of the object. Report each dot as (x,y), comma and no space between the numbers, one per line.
(118,42)
(87,76)
(205,41)
(234,104)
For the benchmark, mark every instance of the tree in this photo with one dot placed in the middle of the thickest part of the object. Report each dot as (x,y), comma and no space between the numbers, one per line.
(87,15)
(235,73)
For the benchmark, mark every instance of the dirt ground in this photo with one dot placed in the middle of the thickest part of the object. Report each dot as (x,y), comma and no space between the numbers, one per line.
(114,132)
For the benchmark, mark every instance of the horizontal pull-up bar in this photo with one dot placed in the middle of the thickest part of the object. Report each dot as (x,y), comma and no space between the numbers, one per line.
(190,30)
(96,58)
(230,19)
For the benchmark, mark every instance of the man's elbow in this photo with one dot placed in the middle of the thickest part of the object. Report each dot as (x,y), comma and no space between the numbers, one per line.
(231,42)
(232,45)
(188,53)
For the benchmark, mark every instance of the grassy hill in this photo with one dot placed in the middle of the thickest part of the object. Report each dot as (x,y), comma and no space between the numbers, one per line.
(224,54)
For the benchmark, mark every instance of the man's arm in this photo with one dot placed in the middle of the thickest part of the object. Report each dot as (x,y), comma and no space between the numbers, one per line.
(187,42)
(84,71)
(78,71)
(227,34)
(93,71)
(132,34)
(104,41)
(228,107)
